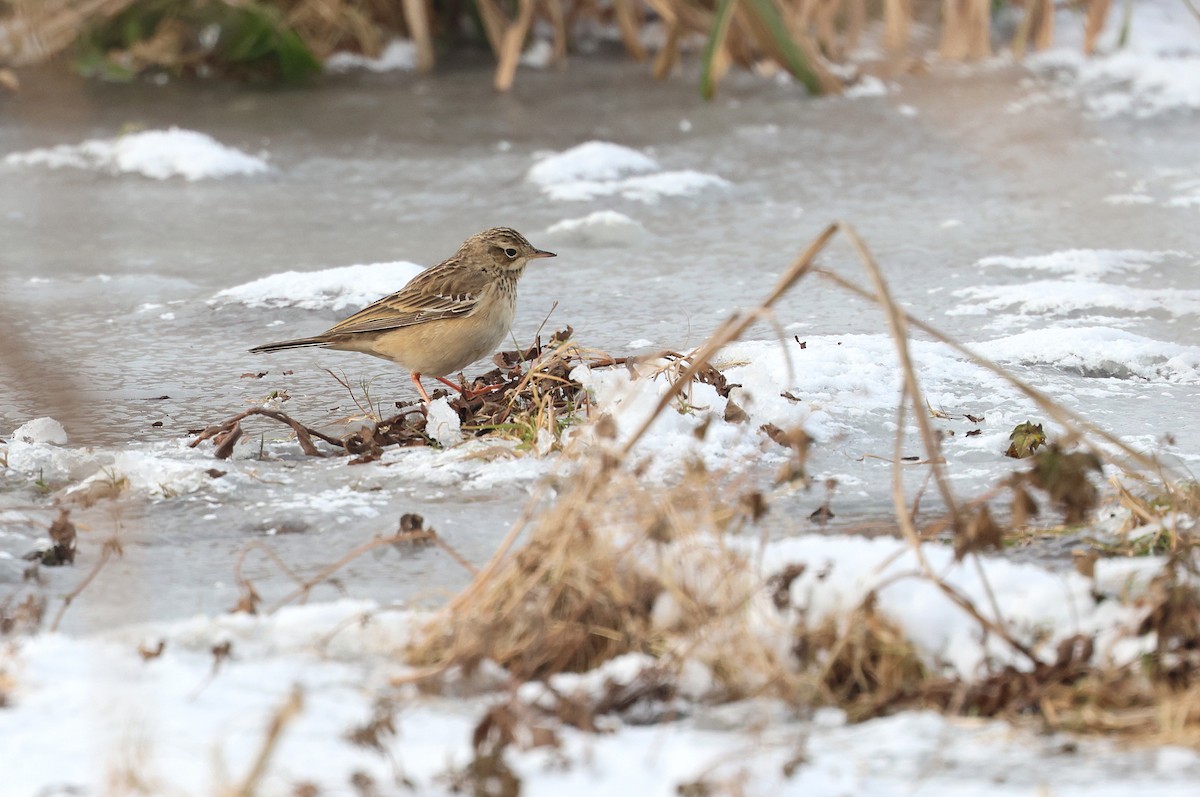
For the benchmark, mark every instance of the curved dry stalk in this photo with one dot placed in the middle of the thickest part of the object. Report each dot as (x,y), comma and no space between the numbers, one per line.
(897,324)
(914,541)
(729,331)
(282,717)
(109,547)
(231,427)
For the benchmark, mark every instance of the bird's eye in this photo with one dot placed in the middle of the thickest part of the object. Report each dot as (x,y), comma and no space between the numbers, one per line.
(510,252)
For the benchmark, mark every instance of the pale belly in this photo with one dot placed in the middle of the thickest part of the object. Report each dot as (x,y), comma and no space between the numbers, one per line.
(439,348)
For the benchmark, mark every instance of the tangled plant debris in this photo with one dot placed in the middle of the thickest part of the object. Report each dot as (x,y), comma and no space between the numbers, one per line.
(531,398)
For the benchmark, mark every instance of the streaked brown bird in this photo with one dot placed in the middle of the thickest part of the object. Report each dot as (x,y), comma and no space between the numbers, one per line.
(445,318)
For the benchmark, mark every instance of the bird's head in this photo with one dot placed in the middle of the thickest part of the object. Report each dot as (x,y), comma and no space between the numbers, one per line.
(502,246)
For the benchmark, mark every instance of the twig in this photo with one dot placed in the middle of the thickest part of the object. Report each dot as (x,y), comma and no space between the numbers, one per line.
(731,330)
(282,718)
(304,434)
(110,547)
(357,551)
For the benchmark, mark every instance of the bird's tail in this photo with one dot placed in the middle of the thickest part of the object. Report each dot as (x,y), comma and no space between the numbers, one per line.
(299,343)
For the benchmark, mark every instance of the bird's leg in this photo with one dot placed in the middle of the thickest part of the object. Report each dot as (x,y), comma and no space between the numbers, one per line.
(467,392)
(416,378)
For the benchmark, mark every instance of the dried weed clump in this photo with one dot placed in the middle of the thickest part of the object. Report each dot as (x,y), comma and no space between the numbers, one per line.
(571,597)
(531,399)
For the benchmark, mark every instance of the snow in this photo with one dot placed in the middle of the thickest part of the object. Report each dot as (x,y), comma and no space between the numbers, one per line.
(1098,351)
(41,430)
(1156,71)
(1063,297)
(442,423)
(83,709)
(1038,606)
(159,154)
(539,54)
(591,161)
(1087,264)
(398,55)
(602,228)
(866,86)
(601,169)
(327,289)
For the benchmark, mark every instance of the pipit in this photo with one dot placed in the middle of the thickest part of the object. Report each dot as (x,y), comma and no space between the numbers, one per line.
(445,318)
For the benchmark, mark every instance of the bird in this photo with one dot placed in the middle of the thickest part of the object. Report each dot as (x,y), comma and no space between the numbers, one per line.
(445,318)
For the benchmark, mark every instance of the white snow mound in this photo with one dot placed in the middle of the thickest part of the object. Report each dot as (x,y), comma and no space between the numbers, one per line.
(328,289)
(159,154)
(600,168)
(602,228)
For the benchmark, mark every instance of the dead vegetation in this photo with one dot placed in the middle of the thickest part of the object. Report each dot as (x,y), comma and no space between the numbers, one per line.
(533,401)
(289,39)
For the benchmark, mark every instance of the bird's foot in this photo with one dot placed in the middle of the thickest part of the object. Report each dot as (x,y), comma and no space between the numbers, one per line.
(467,392)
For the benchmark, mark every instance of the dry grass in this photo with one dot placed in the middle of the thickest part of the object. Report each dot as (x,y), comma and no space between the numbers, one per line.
(800,36)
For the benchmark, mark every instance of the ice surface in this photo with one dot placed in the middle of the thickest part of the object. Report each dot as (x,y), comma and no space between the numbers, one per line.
(159,154)
(329,289)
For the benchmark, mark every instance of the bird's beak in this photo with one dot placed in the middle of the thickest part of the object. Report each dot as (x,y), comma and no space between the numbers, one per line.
(540,253)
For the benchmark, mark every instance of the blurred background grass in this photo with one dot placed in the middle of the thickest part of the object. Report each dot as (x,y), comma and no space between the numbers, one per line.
(289,40)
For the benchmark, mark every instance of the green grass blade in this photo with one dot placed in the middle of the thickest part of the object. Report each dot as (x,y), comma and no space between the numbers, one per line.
(716,35)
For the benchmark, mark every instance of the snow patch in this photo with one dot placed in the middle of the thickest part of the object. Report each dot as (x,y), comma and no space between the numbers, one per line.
(1065,297)
(1089,264)
(329,289)
(159,154)
(398,55)
(442,423)
(602,228)
(41,430)
(1099,351)
(867,86)
(600,168)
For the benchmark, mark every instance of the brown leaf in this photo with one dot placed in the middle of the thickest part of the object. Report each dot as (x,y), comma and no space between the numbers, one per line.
(822,515)
(780,585)
(1085,562)
(979,534)
(734,413)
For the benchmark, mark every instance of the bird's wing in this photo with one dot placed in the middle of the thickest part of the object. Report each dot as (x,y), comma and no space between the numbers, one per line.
(431,295)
